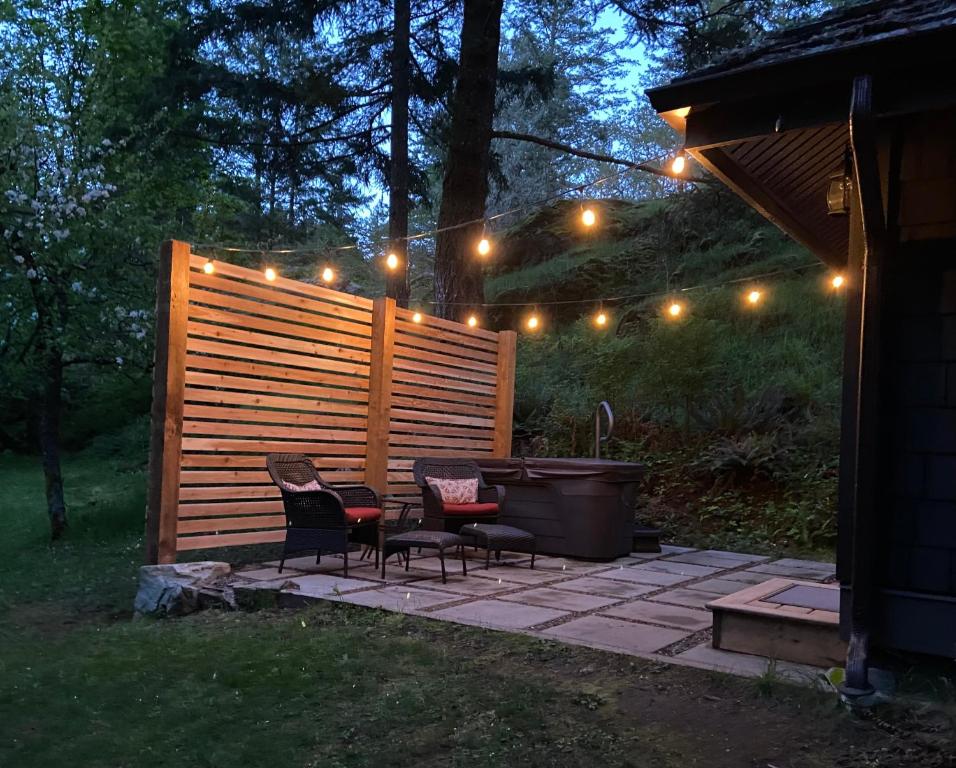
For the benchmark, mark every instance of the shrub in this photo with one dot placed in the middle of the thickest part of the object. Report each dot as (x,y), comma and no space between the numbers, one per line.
(737,459)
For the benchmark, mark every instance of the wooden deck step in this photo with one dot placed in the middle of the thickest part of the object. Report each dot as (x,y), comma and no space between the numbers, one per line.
(783,619)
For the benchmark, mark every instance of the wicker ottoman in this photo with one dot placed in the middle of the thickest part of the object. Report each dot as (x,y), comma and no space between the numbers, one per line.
(499,537)
(440,540)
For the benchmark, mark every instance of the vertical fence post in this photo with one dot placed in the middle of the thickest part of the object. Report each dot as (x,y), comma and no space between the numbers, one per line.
(505,393)
(169,374)
(380,394)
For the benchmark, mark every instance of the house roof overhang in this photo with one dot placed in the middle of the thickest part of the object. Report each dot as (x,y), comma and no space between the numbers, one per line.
(771,121)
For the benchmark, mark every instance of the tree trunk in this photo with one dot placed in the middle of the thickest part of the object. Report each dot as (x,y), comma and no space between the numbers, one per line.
(458,272)
(396,285)
(49,428)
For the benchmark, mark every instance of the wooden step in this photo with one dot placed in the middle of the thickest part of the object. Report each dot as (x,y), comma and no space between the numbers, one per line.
(783,619)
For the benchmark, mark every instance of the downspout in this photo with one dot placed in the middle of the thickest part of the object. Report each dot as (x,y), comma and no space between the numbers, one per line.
(865,470)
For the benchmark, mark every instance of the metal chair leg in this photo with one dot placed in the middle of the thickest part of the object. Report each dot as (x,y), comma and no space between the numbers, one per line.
(346,556)
(464,564)
(441,559)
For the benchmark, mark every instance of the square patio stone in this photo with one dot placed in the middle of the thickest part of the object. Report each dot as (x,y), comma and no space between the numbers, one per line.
(691,598)
(793,571)
(307,564)
(607,588)
(268,574)
(498,614)
(324,585)
(516,575)
(646,555)
(812,564)
(747,665)
(721,586)
(670,549)
(398,599)
(567,565)
(681,569)
(433,564)
(746,577)
(467,585)
(658,613)
(615,635)
(394,573)
(639,575)
(560,599)
(717,559)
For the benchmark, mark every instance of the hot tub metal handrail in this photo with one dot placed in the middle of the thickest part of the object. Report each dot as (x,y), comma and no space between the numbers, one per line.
(598,437)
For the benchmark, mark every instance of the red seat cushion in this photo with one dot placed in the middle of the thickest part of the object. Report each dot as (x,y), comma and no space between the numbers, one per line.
(470,509)
(364,514)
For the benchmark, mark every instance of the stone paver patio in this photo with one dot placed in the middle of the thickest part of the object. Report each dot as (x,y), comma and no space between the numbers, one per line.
(647,605)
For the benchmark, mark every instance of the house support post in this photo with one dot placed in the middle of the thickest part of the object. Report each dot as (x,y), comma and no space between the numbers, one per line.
(868,249)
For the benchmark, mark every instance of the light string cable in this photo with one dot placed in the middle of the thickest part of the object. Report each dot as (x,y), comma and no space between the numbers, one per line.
(646,166)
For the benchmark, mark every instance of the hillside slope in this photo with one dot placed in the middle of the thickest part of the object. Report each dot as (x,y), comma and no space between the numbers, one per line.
(734,406)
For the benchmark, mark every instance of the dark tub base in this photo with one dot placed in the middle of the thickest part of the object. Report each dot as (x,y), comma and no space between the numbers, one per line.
(580,508)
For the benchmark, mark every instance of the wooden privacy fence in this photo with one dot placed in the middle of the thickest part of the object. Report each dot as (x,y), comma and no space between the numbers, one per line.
(246,366)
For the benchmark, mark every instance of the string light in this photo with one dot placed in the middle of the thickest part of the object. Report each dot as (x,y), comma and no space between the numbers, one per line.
(472,321)
(588,216)
(328,275)
(484,247)
(391,261)
(417,317)
(270,274)
(674,309)
(600,319)
(838,281)
(533,322)
(754,297)
(678,163)
(208,267)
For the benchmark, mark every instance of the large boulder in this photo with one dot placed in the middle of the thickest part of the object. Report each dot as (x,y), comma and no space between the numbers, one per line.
(180,588)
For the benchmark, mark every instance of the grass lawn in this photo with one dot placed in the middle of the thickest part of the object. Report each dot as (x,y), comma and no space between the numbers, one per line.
(83,684)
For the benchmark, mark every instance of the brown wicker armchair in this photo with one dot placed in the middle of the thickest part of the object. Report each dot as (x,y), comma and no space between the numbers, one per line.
(451,517)
(327,518)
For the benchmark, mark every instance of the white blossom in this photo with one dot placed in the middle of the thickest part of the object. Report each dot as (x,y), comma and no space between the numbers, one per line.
(119,360)
(18,258)
(31,274)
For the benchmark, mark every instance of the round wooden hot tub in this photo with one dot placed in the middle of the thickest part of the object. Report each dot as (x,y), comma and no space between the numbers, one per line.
(575,507)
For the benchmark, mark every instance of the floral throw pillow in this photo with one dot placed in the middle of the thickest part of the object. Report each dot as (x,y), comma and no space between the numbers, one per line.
(455,491)
(312,485)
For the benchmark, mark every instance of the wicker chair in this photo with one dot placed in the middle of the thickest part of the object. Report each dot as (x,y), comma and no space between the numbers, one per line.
(328,519)
(451,517)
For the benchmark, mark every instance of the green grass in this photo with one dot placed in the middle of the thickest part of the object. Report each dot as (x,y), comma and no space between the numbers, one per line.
(84,684)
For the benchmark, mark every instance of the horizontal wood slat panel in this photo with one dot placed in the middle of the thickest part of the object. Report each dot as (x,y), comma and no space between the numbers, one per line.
(210,508)
(442,373)
(284,332)
(409,354)
(285,366)
(230,461)
(280,284)
(274,356)
(322,386)
(215,524)
(238,429)
(311,418)
(185,543)
(443,388)
(263,447)
(352,332)
(248,338)
(214,493)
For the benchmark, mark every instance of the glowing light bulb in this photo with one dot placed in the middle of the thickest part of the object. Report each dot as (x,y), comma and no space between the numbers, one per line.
(675,309)
(837,281)
(588,217)
(678,164)
(270,274)
(484,246)
(208,268)
(533,323)
(391,261)
(472,321)
(417,317)
(754,297)
(600,320)
(328,275)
